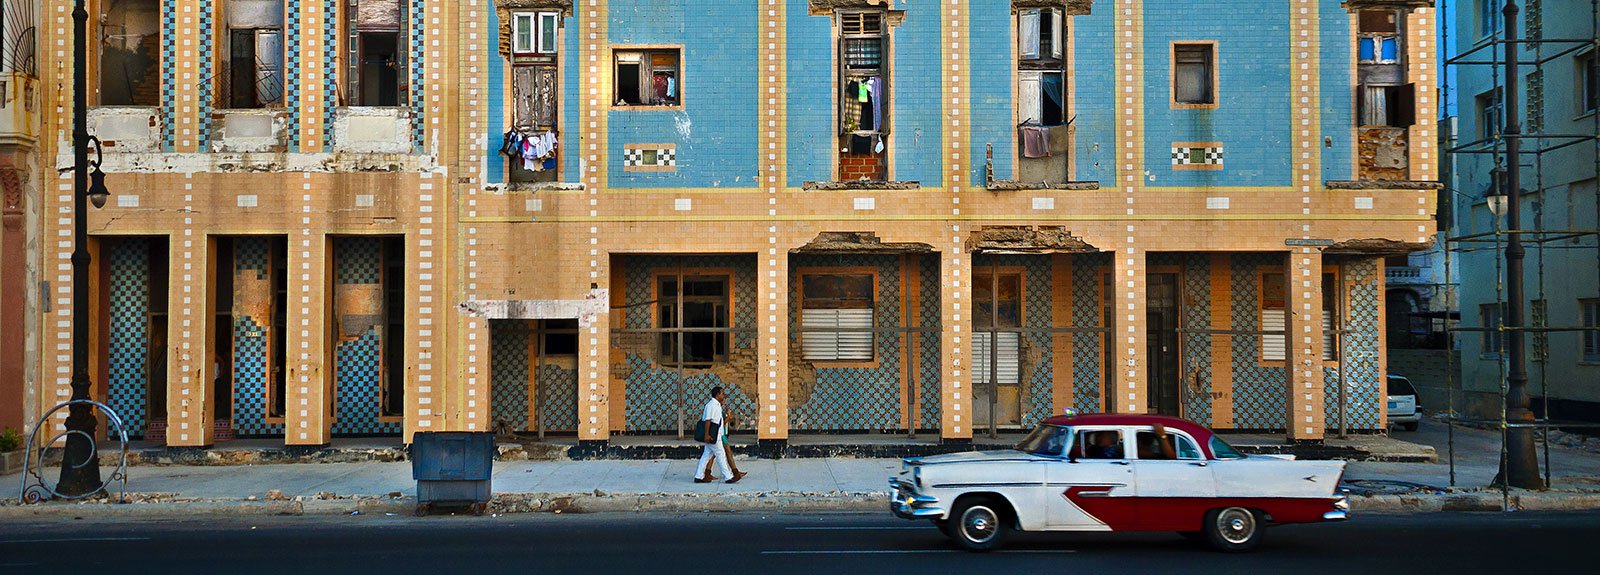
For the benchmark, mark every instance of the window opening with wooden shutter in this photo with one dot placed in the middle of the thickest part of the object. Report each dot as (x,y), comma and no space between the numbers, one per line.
(836,317)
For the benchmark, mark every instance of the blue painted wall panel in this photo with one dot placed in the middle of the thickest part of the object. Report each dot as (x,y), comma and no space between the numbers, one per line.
(1338,97)
(991,84)
(1093,100)
(918,119)
(811,132)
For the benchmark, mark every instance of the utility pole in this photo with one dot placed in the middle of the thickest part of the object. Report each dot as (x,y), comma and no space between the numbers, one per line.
(1521,466)
(80,465)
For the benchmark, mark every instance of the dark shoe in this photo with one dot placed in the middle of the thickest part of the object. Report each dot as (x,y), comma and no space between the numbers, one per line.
(737,477)
(706,480)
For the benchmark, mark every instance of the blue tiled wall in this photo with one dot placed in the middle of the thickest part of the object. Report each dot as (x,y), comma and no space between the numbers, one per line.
(916,96)
(811,132)
(1338,112)
(715,132)
(1093,100)
(991,109)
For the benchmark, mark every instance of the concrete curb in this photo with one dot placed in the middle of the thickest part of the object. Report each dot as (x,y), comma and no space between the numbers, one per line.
(769,502)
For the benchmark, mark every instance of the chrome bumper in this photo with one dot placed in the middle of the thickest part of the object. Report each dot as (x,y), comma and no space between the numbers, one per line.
(905,503)
(1341,509)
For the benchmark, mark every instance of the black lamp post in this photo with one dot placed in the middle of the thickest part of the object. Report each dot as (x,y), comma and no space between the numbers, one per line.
(80,465)
(1521,465)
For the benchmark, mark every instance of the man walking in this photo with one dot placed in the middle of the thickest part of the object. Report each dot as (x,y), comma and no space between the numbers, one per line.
(713,450)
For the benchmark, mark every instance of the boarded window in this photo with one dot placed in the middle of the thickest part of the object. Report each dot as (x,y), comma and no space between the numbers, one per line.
(534,89)
(831,305)
(1194,73)
(130,53)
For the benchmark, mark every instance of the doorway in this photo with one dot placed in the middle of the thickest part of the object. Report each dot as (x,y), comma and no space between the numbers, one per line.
(1161,338)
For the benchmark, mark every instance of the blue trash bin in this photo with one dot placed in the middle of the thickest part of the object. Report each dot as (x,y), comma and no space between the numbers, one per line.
(452,468)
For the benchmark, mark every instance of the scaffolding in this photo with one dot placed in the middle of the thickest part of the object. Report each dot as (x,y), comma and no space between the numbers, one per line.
(1535,145)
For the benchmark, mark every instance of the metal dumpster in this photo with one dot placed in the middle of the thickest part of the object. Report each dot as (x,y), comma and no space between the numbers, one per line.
(452,468)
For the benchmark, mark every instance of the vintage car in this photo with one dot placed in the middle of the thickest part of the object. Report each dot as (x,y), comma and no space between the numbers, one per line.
(1117,473)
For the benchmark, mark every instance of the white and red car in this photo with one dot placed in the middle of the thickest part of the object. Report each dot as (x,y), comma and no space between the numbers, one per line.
(1117,473)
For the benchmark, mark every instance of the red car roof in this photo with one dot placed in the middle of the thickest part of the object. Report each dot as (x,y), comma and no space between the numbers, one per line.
(1200,433)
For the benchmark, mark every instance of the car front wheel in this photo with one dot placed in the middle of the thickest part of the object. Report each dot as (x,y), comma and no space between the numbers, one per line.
(1233,529)
(977,525)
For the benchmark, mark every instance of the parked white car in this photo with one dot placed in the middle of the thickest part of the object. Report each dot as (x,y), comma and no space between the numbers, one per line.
(1403,403)
(1117,473)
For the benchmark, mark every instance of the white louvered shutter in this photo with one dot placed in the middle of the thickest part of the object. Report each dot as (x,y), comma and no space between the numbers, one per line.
(1029,105)
(1328,336)
(1007,357)
(1055,29)
(836,345)
(1028,35)
(1272,347)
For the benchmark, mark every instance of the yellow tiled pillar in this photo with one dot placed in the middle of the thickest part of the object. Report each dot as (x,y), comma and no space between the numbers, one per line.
(1222,344)
(594,359)
(1061,384)
(189,370)
(772,342)
(308,416)
(954,315)
(1303,340)
(425,344)
(1127,301)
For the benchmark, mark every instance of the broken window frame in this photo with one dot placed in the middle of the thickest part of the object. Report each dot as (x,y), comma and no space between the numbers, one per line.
(1210,76)
(1048,25)
(1491,112)
(674,335)
(847,325)
(356,49)
(1009,352)
(267,86)
(846,73)
(151,72)
(643,58)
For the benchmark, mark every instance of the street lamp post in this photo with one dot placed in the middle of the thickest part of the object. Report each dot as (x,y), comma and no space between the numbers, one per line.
(80,465)
(1521,465)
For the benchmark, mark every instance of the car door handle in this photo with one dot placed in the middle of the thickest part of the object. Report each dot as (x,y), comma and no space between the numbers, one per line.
(1120,462)
(1198,463)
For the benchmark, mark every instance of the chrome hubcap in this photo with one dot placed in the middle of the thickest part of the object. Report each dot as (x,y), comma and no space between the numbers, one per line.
(978,524)
(1236,525)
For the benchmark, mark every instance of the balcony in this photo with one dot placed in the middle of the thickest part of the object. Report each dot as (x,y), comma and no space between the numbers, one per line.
(126,129)
(19,110)
(250,130)
(372,130)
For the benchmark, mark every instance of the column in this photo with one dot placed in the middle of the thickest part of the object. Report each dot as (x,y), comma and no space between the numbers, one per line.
(1303,341)
(954,317)
(308,417)
(594,355)
(1061,392)
(1127,341)
(772,343)
(189,369)
(1222,343)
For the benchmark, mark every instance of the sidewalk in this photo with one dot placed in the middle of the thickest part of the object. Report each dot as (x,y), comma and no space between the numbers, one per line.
(794,484)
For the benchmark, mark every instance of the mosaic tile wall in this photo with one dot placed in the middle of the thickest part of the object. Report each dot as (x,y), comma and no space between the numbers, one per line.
(330,74)
(928,381)
(558,398)
(205,93)
(418,39)
(251,337)
(291,71)
(1366,293)
(1037,300)
(358,367)
(169,74)
(1088,351)
(652,394)
(1258,391)
(854,398)
(508,374)
(129,297)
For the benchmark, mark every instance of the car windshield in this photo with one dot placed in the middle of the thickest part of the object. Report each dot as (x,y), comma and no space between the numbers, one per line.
(1048,440)
(1400,386)
(1222,450)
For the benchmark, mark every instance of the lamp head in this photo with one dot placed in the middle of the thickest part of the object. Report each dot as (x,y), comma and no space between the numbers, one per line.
(1496,196)
(97,188)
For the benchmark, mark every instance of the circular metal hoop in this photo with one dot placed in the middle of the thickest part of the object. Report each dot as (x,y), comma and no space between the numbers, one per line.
(35,490)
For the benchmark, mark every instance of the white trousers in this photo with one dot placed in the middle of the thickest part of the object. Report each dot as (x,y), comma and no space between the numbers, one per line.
(709,452)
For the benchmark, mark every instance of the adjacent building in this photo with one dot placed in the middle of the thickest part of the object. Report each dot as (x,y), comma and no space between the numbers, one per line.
(380,217)
(1556,98)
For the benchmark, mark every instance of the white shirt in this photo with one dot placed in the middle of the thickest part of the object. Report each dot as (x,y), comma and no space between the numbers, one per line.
(713,411)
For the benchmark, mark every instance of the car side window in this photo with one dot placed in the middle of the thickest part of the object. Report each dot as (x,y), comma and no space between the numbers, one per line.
(1187,448)
(1152,446)
(1105,444)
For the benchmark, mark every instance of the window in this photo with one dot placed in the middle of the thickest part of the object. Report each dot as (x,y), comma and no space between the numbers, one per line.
(1274,302)
(1587,86)
(1488,17)
(377,54)
(1539,316)
(1379,40)
(1222,450)
(836,316)
(1490,111)
(998,299)
(863,49)
(393,402)
(130,53)
(1048,440)
(1590,310)
(1106,444)
(648,77)
(1493,340)
(704,305)
(536,33)
(1041,89)
(254,76)
(1393,106)
(1176,446)
(1194,74)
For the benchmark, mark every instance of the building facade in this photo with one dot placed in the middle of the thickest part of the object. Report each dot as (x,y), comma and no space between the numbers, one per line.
(576,216)
(1556,98)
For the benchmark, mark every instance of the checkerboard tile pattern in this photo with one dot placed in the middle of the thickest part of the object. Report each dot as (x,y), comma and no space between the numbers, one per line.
(291,70)
(853,398)
(330,75)
(1087,350)
(1258,391)
(1196,290)
(633,156)
(207,13)
(358,367)
(508,373)
(1366,292)
(418,39)
(558,395)
(128,362)
(653,394)
(169,74)
(1197,156)
(928,361)
(251,341)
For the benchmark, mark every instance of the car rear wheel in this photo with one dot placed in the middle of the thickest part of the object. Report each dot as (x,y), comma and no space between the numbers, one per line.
(978,525)
(1233,529)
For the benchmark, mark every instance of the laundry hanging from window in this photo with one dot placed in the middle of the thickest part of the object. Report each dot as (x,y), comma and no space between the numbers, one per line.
(536,149)
(862,105)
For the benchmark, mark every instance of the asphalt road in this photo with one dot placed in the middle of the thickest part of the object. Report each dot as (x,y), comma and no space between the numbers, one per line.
(750,544)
